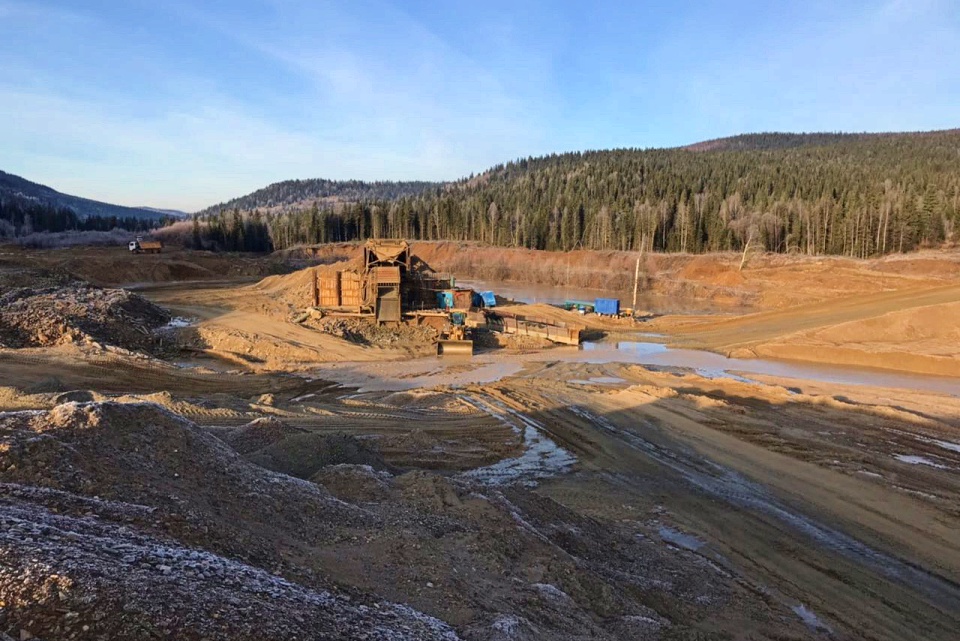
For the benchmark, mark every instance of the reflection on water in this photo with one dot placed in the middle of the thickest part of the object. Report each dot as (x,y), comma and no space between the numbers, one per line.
(490,367)
(715,365)
(631,346)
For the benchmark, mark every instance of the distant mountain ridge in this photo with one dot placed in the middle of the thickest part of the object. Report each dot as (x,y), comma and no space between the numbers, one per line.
(299,194)
(858,195)
(15,188)
(771,141)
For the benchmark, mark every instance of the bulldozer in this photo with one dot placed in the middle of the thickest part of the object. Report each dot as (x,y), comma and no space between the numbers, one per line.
(453,340)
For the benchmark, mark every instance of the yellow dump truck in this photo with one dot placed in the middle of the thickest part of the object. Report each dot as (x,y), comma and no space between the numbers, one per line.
(141,246)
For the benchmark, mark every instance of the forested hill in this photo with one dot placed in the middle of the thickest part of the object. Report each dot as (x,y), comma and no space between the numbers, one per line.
(772,141)
(854,194)
(297,194)
(18,191)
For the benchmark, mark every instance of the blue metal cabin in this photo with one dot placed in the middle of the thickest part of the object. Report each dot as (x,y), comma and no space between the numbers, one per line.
(607,306)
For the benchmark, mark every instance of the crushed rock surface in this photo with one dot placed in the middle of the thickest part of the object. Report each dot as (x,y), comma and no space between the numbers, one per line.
(93,500)
(82,314)
(363,332)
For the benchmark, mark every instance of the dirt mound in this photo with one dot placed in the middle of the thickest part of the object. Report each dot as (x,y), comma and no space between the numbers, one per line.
(304,454)
(141,453)
(924,340)
(145,475)
(93,577)
(13,275)
(354,482)
(258,434)
(79,314)
(364,332)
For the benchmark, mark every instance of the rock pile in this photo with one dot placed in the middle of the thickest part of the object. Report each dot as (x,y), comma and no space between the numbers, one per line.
(363,332)
(81,314)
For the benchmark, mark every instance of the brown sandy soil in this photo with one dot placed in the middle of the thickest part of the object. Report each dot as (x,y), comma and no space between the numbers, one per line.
(509,497)
(913,330)
(692,505)
(688,449)
(111,266)
(252,326)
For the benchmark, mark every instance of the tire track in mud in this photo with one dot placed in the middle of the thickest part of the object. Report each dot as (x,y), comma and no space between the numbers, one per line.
(728,485)
(541,458)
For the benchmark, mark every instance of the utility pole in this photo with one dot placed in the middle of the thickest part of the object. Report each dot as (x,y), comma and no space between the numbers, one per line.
(636,275)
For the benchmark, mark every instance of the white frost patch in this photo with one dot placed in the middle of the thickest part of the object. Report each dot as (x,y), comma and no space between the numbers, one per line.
(300,399)
(685,541)
(810,619)
(541,458)
(870,474)
(911,459)
(178,322)
(948,445)
(599,380)
(552,592)
(639,618)
(506,623)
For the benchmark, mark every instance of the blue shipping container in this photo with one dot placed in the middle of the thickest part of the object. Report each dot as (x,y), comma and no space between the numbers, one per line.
(445,300)
(608,306)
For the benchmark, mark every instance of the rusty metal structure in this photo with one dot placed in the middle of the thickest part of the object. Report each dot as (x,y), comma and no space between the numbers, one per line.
(505,322)
(386,285)
(392,286)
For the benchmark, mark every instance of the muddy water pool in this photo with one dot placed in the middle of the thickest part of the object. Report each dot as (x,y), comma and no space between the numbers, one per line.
(489,367)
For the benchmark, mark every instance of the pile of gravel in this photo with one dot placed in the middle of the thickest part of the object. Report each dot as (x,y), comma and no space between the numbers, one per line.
(80,314)
(363,332)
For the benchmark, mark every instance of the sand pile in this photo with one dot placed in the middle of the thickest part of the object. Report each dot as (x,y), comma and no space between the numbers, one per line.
(258,434)
(79,314)
(141,453)
(924,339)
(272,444)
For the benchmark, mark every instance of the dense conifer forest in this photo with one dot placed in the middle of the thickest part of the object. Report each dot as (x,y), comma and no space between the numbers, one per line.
(21,217)
(851,194)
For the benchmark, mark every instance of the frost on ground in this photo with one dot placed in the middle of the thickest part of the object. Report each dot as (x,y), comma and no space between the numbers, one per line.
(78,313)
(126,521)
(84,577)
(96,503)
(911,459)
(810,619)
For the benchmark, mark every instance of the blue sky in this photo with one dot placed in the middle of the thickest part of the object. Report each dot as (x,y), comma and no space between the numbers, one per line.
(185,104)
